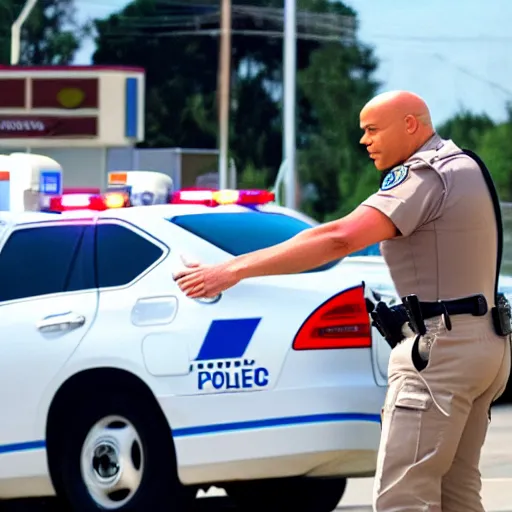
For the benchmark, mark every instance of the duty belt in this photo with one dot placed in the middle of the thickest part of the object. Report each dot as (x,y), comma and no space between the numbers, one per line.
(475,305)
(389,321)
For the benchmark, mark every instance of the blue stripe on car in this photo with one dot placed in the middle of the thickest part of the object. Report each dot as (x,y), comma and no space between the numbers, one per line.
(238,426)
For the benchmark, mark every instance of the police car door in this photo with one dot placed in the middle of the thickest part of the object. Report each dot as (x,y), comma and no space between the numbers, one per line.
(228,351)
(47,304)
(193,348)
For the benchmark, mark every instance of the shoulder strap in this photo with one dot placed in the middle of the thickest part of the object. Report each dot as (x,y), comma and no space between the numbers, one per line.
(497,212)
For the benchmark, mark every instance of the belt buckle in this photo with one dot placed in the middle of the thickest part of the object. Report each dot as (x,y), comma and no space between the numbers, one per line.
(447,321)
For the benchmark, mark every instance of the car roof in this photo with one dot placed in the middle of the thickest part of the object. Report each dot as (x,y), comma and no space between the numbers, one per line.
(135,213)
(14,218)
(168,211)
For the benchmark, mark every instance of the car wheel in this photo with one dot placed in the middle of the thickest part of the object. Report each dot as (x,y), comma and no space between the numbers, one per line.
(117,454)
(297,494)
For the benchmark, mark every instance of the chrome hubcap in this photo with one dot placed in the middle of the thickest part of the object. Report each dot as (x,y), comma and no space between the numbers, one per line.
(112,462)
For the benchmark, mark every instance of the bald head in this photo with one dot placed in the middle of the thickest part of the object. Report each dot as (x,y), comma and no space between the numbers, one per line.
(395,124)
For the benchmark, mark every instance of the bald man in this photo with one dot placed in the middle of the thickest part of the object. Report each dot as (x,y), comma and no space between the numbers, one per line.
(434,214)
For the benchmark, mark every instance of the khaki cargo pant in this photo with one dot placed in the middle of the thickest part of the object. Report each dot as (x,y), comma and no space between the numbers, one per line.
(435,419)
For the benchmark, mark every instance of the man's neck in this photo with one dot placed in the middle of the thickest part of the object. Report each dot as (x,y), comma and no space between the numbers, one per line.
(427,142)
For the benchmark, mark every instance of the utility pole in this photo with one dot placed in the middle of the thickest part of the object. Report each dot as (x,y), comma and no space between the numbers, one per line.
(16,31)
(289,93)
(224,92)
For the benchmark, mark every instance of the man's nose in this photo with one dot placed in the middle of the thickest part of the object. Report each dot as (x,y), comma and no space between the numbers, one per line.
(364,140)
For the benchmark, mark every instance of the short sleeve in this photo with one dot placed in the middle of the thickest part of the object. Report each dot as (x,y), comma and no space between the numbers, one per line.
(410,198)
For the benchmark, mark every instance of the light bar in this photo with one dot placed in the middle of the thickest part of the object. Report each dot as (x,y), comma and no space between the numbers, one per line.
(96,202)
(70,202)
(116,199)
(222,197)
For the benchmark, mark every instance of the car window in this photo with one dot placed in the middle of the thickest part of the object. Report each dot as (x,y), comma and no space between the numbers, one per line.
(122,255)
(44,260)
(240,233)
(372,250)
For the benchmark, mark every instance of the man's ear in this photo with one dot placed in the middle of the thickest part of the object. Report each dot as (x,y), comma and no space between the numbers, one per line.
(411,124)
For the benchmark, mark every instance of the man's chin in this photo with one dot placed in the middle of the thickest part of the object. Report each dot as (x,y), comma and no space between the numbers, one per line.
(379,166)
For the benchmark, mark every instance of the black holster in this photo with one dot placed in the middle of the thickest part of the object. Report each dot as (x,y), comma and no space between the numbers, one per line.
(502,316)
(389,322)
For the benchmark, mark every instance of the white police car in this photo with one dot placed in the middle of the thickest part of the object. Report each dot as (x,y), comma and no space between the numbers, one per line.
(120,393)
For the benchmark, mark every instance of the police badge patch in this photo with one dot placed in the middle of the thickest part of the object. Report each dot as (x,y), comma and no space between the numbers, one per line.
(395,177)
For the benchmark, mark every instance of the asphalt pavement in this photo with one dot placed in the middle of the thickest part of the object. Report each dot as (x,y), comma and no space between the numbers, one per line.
(496,468)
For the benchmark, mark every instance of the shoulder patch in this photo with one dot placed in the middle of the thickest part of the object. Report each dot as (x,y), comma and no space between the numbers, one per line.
(395,177)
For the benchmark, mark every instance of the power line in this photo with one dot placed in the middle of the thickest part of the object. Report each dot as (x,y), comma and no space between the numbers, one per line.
(217,32)
(264,19)
(474,75)
(445,39)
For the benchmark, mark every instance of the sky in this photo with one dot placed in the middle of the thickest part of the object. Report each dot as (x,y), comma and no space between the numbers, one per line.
(456,55)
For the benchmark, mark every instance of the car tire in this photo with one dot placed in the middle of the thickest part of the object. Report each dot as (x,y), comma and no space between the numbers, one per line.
(116,453)
(297,494)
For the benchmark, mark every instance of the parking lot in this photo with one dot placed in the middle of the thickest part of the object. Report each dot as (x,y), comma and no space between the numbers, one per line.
(496,470)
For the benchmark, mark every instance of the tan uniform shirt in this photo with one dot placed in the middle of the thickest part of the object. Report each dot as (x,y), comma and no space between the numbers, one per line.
(439,201)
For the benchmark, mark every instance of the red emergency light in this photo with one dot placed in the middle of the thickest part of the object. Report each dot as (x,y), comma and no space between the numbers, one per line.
(222,197)
(95,202)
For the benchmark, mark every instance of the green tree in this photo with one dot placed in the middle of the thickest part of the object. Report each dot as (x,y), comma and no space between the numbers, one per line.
(488,139)
(51,35)
(181,72)
(337,84)
(496,151)
(466,129)
(334,82)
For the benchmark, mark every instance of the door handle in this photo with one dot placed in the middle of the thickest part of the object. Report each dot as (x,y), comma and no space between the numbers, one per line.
(210,300)
(61,323)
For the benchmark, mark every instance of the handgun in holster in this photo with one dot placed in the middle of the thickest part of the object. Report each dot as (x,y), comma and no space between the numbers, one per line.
(413,310)
(502,316)
(389,322)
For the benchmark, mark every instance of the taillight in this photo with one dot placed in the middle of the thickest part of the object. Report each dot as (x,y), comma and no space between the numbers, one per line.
(340,322)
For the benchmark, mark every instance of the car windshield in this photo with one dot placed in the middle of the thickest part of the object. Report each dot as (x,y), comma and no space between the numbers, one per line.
(240,233)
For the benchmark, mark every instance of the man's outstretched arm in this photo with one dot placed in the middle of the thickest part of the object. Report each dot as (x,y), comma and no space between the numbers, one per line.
(313,247)
(310,249)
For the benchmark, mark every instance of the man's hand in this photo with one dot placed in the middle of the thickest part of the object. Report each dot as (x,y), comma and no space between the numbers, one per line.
(205,281)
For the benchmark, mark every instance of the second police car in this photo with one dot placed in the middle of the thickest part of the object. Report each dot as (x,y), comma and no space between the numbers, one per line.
(121,393)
